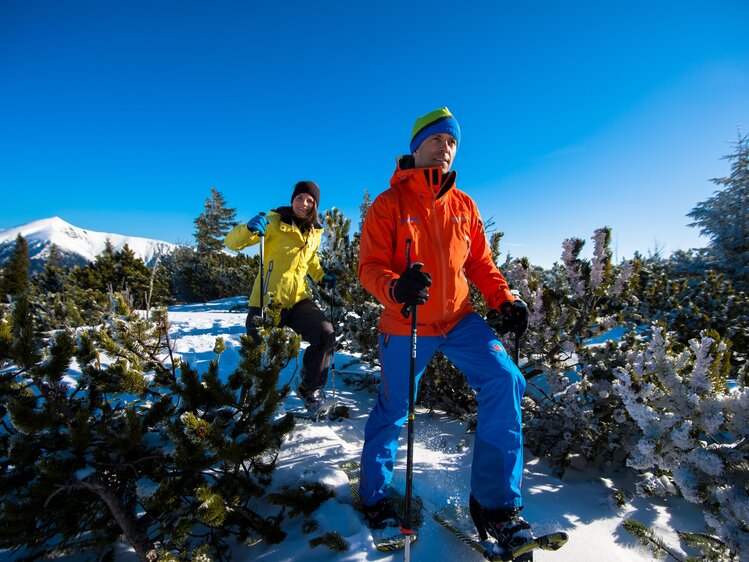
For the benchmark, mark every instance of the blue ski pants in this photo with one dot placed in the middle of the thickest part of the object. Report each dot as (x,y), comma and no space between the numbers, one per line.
(473,347)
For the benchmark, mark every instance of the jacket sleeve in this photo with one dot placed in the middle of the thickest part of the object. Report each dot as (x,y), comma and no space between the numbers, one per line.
(480,268)
(314,269)
(240,237)
(376,251)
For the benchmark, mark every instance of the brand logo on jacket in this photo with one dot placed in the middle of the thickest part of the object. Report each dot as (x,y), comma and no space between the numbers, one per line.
(410,219)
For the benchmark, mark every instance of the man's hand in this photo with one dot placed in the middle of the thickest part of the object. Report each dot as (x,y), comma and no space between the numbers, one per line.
(257,224)
(329,280)
(511,317)
(412,287)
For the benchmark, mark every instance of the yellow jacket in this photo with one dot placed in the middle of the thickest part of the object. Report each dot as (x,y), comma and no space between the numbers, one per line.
(293,255)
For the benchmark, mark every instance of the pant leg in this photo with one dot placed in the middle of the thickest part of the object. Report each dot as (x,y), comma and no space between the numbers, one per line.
(252,316)
(497,468)
(390,412)
(309,322)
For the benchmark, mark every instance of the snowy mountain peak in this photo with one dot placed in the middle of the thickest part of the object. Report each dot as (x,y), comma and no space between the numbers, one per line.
(76,245)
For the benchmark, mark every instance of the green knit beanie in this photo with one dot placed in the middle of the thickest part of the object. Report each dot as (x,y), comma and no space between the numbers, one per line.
(438,121)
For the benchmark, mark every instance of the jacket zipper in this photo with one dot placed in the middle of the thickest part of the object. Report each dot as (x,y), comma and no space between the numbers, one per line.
(441,258)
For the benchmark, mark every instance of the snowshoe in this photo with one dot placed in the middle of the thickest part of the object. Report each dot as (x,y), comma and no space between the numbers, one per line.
(505,526)
(316,403)
(381,515)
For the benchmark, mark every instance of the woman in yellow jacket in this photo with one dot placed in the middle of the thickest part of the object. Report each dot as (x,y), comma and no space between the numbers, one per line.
(292,236)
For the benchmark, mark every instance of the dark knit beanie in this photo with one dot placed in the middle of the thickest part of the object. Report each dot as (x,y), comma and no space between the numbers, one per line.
(307,187)
(438,121)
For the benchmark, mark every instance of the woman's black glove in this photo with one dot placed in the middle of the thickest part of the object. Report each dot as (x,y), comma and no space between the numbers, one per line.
(412,287)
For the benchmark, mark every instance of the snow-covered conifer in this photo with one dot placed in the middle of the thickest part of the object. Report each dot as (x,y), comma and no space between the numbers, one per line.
(692,428)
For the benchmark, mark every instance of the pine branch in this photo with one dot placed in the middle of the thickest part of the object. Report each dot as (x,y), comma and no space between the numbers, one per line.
(711,547)
(647,537)
(332,539)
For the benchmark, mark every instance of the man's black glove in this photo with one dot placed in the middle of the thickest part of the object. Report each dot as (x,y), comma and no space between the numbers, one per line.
(511,317)
(412,286)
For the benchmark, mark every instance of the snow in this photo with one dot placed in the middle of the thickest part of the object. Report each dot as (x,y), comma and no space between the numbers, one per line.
(85,243)
(582,504)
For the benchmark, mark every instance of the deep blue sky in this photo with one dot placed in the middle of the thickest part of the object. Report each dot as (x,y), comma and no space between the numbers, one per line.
(120,116)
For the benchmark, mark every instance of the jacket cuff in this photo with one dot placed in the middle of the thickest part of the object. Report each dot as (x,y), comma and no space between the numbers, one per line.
(391,290)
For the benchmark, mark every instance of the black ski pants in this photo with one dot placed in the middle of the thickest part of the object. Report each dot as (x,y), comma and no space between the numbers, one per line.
(307,320)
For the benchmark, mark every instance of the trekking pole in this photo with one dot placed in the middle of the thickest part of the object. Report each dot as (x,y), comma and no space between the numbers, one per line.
(516,352)
(407,527)
(332,321)
(262,273)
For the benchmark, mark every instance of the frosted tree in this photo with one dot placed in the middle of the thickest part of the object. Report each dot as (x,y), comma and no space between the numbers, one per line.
(570,410)
(357,311)
(693,430)
(724,217)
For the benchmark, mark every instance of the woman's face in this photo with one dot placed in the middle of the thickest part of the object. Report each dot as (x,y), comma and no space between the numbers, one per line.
(303,204)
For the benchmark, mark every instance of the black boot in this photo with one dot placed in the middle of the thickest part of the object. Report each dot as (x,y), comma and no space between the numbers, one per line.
(312,399)
(381,515)
(505,525)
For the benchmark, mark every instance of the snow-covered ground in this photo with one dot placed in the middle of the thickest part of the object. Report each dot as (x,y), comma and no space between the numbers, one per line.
(582,504)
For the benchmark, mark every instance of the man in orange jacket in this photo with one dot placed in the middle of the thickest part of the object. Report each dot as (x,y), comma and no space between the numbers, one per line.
(424,218)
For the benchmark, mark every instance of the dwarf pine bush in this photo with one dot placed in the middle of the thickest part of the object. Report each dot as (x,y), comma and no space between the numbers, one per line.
(693,430)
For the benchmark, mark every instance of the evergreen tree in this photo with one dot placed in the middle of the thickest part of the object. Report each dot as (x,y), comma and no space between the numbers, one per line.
(15,277)
(58,297)
(692,430)
(214,223)
(52,277)
(570,412)
(724,217)
(142,446)
(122,271)
(689,300)
(359,312)
(198,277)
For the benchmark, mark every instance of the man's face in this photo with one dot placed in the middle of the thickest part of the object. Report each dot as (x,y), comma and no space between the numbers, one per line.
(437,151)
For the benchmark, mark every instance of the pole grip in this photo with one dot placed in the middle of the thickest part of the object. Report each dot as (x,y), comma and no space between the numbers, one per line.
(406,309)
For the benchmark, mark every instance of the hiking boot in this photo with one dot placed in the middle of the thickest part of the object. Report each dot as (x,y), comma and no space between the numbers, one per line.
(312,399)
(505,525)
(381,515)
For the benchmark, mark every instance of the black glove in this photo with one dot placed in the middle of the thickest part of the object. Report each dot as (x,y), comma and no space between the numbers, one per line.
(411,288)
(511,317)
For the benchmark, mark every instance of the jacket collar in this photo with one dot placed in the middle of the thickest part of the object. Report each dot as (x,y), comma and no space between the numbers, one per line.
(431,180)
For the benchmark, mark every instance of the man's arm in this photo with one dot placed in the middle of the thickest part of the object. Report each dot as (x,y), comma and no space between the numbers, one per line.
(480,268)
(376,252)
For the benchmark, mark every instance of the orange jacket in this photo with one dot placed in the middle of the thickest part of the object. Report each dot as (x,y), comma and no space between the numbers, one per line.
(447,236)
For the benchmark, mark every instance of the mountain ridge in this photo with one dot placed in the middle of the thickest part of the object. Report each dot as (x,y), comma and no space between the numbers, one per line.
(76,246)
